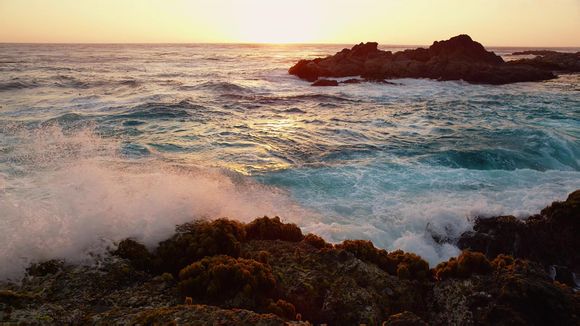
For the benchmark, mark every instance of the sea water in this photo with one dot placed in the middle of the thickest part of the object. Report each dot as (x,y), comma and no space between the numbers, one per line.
(103,142)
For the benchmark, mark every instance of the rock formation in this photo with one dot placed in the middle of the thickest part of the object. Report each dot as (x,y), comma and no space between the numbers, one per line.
(267,272)
(459,58)
(550,61)
(549,238)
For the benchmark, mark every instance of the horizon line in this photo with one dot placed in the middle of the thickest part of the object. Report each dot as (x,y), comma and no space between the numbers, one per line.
(269,43)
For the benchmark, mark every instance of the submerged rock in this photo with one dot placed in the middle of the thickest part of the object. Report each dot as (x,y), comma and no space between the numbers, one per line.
(325,82)
(459,58)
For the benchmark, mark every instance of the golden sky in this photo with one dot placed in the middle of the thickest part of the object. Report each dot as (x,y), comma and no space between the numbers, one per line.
(410,22)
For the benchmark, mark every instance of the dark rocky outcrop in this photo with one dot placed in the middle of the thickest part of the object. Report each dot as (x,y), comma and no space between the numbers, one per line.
(534,52)
(268,273)
(459,58)
(550,238)
(550,61)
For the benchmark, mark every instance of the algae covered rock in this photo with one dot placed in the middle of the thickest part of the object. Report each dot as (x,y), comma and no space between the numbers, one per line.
(194,241)
(512,292)
(550,237)
(266,228)
(136,253)
(405,265)
(229,281)
(467,264)
(285,278)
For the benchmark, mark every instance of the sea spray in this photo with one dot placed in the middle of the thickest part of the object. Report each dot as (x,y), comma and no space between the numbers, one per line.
(77,196)
(101,142)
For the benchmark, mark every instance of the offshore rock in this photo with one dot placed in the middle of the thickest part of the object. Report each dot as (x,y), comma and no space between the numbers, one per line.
(459,58)
(550,61)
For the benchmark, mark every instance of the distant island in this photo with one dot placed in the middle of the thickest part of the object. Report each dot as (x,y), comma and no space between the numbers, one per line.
(459,58)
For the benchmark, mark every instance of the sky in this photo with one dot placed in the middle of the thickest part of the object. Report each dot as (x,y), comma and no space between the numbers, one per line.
(408,22)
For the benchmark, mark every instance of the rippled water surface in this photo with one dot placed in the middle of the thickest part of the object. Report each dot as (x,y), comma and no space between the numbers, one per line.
(102,142)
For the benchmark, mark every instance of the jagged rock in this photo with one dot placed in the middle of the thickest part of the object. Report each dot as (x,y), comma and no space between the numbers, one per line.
(516,293)
(278,270)
(334,286)
(550,237)
(459,58)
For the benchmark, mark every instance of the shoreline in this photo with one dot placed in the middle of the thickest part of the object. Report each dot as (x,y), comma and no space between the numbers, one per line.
(267,272)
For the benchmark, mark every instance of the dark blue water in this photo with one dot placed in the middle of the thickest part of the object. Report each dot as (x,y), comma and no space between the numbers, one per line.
(101,142)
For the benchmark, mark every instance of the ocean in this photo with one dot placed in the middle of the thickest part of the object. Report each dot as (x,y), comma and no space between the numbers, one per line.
(103,142)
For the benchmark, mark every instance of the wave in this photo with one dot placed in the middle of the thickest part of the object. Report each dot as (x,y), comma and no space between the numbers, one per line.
(181,110)
(66,81)
(222,87)
(16,84)
(294,110)
(129,82)
(402,206)
(76,195)
(308,97)
(65,119)
(503,159)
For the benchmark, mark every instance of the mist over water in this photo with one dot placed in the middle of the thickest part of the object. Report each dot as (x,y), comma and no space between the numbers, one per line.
(103,142)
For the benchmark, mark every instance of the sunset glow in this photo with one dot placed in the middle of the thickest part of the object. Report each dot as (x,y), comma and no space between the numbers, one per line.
(493,22)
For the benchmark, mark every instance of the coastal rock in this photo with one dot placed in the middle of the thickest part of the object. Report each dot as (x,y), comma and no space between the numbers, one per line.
(405,319)
(550,238)
(550,61)
(459,58)
(190,315)
(268,273)
(334,286)
(534,52)
(516,292)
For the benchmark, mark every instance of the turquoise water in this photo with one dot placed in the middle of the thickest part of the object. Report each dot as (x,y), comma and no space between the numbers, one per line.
(102,142)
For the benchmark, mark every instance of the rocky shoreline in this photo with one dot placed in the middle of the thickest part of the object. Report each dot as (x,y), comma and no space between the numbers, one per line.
(459,58)
(267,272)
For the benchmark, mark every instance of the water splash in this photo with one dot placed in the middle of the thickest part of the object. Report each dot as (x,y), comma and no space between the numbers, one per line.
(75,195)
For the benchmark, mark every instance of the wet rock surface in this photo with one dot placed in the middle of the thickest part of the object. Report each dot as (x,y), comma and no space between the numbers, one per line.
(268,273)
(550,238)
(459,58)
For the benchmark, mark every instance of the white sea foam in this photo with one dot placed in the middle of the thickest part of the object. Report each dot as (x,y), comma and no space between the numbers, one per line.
(411,214)
(390,163)
(76,201)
